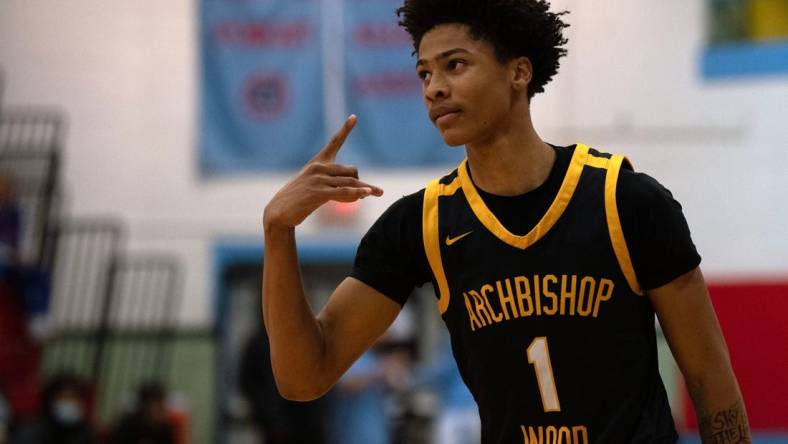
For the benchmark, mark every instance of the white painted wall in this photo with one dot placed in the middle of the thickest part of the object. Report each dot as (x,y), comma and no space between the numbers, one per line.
(126,73)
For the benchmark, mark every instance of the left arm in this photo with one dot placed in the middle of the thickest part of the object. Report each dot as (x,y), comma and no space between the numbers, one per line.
(695,338)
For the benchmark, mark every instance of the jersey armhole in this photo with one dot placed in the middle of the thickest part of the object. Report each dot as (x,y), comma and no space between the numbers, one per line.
(614,223)
(432,246)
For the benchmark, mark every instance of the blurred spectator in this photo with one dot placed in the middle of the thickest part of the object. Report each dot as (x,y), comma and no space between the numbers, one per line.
(369,402)
(9,223)
(458,421)
(29,282)
(20,353)
(358,414)
(149,421)
(278,420)
(62,419)
(409,409)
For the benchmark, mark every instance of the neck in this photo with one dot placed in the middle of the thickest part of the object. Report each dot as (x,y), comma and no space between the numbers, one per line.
(513,160)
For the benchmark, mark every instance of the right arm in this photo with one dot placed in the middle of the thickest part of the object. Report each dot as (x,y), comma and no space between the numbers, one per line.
(309,353)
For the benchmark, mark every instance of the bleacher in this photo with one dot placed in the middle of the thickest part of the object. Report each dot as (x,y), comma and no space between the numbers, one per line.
(95,309)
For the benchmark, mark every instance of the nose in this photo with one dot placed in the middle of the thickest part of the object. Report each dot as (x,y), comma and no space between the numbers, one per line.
(436,88)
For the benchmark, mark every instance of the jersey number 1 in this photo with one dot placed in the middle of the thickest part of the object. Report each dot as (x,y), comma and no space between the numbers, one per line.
(539,356)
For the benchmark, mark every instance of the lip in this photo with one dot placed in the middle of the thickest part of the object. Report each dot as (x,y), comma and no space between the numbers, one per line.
(447,118)
(442,110)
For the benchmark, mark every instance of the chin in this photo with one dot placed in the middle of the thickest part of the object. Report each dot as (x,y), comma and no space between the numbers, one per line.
(454,138)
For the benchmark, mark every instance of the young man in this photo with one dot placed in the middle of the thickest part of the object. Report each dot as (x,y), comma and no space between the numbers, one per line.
(549,263)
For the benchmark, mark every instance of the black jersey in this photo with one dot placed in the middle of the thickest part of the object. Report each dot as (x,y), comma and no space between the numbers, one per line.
(550,330)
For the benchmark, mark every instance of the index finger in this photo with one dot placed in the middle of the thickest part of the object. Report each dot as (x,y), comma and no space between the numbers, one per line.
(329,152)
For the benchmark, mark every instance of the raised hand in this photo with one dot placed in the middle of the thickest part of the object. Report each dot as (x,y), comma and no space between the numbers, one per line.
(321,180)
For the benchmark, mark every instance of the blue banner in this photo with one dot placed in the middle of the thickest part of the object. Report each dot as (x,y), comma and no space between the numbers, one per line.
(262,96)
(382,88)
(263,102)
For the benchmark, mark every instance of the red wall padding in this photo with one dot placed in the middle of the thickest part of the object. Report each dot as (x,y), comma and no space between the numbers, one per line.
(754,319)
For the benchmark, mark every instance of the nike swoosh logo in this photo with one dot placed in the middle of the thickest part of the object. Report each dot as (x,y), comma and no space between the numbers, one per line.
(452,240)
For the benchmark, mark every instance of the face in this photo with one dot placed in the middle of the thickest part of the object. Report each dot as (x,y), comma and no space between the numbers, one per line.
(67,406)
(469,94)
(156,411)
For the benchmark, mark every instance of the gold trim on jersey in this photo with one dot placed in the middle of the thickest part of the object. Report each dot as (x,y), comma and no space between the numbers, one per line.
(580,158)
(432,242)
(614,224)
(488,219)
(597,162)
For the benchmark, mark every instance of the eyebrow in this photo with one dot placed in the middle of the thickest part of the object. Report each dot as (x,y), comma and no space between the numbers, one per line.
(443,55)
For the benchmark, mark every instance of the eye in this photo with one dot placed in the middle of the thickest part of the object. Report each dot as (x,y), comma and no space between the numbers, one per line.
(455,63)
(423,74)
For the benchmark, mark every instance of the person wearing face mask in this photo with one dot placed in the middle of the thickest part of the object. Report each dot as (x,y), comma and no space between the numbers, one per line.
(149,422)
(62,418)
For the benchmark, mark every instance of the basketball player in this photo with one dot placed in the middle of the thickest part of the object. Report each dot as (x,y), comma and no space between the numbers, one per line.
(548,262)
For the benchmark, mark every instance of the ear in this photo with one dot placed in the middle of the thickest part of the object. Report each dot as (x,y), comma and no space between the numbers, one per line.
(522,73)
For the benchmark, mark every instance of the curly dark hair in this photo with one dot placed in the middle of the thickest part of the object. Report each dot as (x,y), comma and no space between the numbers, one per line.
(514,27)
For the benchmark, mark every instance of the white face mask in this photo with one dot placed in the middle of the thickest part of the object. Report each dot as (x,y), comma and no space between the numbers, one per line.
(67,411)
